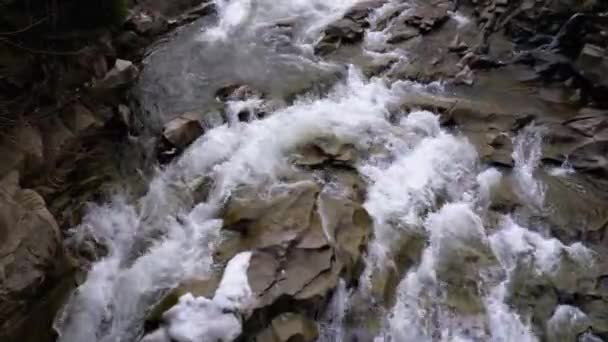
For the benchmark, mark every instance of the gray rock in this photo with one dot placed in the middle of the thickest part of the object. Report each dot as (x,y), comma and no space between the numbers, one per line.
(591,158)
(122,74)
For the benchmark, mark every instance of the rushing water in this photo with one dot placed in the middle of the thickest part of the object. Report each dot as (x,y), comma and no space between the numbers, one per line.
(425,183)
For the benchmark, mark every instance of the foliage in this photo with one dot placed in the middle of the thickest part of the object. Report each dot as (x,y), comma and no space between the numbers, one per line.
(62,15)
(96,13)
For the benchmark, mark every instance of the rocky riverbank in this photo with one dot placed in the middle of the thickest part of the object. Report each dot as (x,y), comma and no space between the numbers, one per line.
(65,119)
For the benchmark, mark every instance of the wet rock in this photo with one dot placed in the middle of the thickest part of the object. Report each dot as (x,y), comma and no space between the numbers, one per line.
(566,324)
(300,268)
(237,92)
(263,270)
(349,29)
(591,158)
(567,40)
(498,151)
(146,24)
(183,130)
(401,34)
(589,337)
(289,327)
(465,76)
(457,45)
(593,64)
(122,74)
(589,124)
(124,115)
(479,61)
(298,257)
(428,16)
(277,220)
(346,31)
(351,226)
(324,150)
(597,311)
(361,10)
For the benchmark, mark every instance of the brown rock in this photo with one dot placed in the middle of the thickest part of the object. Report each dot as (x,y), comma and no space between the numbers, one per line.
(289,327)
(294,327)
(262,272)
(277,220)
(79,118)
(322,150)
(57,139)
(183,130)
(24,149)
(301,267)
(29,243)
(147,25)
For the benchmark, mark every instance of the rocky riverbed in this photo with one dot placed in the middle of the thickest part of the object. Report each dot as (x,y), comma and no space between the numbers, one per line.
(273,171)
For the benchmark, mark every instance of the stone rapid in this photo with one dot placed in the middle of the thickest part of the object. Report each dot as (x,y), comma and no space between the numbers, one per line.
(327,201)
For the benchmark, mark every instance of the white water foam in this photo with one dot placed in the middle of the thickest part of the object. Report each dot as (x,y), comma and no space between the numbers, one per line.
(243,17)
(118,290)
(527,153)
(200,319)
(460,18)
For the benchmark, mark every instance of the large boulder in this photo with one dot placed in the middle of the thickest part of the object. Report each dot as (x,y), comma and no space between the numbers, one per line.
(29,250)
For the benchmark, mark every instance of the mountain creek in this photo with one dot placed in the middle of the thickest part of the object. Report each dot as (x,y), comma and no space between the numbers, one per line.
(316,170)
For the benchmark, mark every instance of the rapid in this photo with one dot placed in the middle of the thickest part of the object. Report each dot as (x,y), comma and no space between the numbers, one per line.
(428,194)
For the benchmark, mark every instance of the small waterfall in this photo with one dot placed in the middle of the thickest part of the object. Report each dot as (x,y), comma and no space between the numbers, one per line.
(332,325)
(527,153)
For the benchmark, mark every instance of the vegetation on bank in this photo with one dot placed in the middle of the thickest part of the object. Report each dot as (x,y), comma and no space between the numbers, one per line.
(39,39)
(40,16)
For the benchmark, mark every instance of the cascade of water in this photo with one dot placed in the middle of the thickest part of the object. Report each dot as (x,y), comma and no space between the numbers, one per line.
(332,326)
(244,18)
(425,184)
(527,153)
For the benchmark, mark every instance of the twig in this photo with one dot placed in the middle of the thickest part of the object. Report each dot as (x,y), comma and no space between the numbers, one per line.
(12,33)
(43,52)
